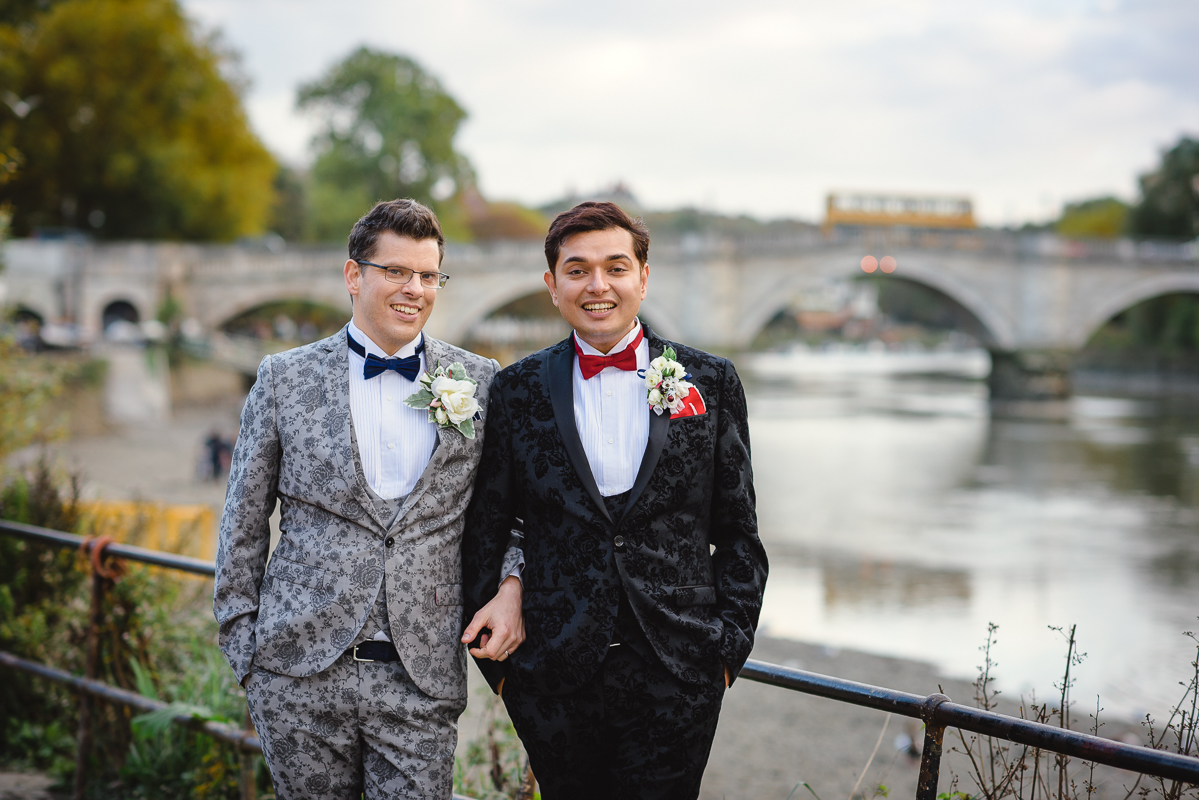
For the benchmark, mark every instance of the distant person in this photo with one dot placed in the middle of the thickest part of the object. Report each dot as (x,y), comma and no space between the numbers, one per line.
(627,458)
(219,454)
(347,641)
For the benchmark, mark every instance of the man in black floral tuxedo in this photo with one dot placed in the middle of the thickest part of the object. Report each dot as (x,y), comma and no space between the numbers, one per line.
(626,457)
(346,640)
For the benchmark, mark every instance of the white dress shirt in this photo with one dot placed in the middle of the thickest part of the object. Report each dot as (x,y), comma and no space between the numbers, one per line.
(612,415)
(395,441)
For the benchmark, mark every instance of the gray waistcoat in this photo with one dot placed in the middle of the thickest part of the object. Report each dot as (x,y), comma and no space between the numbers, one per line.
(378,619)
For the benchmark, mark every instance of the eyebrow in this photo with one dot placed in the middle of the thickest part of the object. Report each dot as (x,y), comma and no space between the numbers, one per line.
(613,257)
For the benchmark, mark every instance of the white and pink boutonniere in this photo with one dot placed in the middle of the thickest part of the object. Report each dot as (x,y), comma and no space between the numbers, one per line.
(668,389)
(448,394)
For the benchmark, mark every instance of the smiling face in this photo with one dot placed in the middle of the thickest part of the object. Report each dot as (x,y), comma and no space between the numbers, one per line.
(598,285)
(393,314)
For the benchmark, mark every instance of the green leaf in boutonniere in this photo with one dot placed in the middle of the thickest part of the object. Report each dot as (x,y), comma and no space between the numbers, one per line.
(448,394)
(420,399)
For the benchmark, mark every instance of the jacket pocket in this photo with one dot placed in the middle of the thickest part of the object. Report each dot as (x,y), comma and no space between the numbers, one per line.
(687,596)
(283,569)
(448,594)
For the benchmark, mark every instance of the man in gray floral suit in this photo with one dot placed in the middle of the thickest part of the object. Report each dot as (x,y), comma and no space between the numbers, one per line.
(347,639)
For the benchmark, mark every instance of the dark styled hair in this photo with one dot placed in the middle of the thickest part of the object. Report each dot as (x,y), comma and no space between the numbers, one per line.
(401,217)
(595,216)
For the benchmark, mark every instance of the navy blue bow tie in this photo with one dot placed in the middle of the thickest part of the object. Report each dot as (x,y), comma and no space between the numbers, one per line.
(408,367)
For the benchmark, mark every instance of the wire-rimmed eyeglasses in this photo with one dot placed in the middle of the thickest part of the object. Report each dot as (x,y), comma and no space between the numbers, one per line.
(401,275)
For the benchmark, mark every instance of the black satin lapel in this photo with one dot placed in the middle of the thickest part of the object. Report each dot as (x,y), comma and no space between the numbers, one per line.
(659,425)
(560,366)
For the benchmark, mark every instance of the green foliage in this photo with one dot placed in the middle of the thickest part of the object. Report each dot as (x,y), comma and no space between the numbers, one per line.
(1167,325)
(18,12)
(127,126)
(495,762)
(156,639)
(1169,207)
(388,131)
(289,210)
(165,761)
(41,618)
(1100,218)
(26,384)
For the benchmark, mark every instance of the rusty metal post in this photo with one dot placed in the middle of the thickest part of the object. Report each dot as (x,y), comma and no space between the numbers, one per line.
(248,790)
(83,736)
(930,756)
(528,784)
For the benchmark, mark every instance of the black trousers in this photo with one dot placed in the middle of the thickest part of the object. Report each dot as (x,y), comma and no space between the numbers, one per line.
(633,732)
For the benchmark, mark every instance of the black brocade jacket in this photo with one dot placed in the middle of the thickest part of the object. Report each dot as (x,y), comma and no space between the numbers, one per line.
(685,549)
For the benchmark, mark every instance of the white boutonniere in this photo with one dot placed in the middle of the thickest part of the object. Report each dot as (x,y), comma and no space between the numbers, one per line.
(666,383)
(449,397)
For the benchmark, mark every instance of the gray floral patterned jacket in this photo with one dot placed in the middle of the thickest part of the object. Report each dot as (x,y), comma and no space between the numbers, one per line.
(298,614)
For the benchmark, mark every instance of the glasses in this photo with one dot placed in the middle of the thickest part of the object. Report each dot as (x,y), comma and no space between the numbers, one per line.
(401,275)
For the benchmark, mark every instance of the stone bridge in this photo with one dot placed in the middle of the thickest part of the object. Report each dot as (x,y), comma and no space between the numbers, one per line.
(1033,299)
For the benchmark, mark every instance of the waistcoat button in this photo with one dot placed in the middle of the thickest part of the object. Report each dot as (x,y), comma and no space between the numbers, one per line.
(618,541)
(390,541)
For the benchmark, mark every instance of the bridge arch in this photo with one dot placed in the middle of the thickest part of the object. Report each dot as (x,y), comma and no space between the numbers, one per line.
(264,299)
(121,310)
(465,316)
(779,295)
(1129,296)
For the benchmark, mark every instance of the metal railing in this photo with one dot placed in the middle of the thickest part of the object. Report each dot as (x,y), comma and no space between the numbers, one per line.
(936,710)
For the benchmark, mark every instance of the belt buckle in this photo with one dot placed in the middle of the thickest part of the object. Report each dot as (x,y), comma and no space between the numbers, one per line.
(364,660)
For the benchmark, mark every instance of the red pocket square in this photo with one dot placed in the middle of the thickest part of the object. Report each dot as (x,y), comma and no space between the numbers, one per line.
(693,405)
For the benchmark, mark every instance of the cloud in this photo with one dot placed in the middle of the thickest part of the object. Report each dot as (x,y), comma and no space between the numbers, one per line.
(765,106)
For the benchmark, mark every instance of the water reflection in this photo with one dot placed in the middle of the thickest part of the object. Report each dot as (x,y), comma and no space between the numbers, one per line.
(901,518)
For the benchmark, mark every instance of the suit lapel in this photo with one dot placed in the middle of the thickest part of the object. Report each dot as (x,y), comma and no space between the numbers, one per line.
(560,366)
(659,426)
(435,353)
(337,399)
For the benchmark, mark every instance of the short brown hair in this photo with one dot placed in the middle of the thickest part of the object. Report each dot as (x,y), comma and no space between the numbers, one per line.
(595,216)
(401,217)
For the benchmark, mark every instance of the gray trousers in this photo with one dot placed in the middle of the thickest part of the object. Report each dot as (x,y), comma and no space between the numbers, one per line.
(355,728)
(358,727)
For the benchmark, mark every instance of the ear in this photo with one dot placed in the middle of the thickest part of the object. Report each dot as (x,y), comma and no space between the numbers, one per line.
(353,273)
(644,280)
(548,277)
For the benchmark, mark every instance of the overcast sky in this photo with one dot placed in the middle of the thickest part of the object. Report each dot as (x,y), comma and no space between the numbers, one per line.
(763,106)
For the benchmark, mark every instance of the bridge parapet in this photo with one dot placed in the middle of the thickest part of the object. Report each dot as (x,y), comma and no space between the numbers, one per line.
(1030,293)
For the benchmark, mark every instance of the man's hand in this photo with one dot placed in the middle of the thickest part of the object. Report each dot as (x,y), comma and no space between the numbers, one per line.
(504,621)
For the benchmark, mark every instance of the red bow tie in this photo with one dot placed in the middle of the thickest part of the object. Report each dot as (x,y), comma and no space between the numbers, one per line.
(626,359)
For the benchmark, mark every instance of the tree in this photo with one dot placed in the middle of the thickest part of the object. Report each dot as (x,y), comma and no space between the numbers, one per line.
(1101,218)
(126,125)
(1169,206)
(388,131)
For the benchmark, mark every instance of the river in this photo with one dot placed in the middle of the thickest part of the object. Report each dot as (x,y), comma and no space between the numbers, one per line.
(901,518)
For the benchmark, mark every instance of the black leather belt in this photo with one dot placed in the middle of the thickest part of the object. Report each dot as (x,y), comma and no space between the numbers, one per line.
(374,651)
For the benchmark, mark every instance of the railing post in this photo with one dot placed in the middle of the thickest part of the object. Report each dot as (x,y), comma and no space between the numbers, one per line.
(83,737)
(930,756)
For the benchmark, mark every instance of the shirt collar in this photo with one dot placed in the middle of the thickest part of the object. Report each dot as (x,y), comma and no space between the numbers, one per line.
(621,345)
(369,345)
